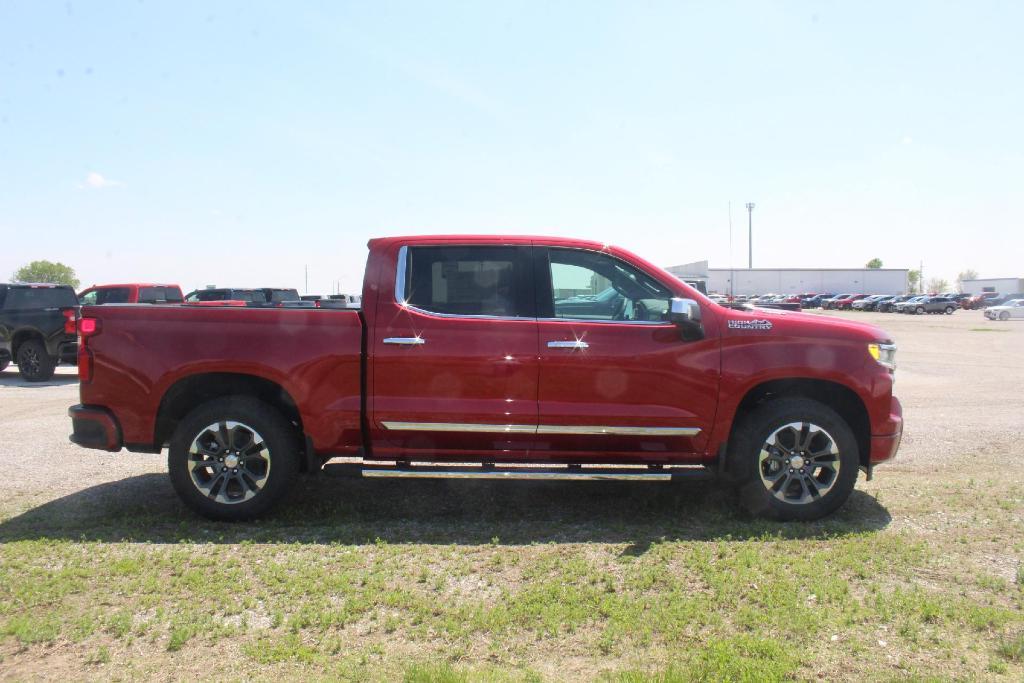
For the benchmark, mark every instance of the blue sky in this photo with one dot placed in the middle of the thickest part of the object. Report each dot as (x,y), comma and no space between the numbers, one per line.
(235,143)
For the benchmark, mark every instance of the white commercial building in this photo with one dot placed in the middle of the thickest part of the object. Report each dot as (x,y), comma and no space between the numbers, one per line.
(795,280)
(1000,285)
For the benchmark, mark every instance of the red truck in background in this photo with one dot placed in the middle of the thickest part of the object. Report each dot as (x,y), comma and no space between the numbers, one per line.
(521,356)
(133,293)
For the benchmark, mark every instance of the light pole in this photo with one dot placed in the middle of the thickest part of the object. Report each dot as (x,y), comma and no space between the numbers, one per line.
(750,234)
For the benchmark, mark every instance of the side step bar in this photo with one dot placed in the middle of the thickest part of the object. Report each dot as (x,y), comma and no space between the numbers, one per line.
(537,473)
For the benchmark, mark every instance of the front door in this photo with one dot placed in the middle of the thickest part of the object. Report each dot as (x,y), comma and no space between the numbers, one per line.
(617,381)
(455,355)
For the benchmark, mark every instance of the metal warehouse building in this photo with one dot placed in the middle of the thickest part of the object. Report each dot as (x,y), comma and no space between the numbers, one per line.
(1000,285)
(795,280)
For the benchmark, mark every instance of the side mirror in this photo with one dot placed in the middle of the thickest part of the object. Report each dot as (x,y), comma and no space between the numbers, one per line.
(685,314)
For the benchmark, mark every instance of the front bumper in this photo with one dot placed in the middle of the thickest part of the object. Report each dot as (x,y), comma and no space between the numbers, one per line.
(94,427)
(885,445)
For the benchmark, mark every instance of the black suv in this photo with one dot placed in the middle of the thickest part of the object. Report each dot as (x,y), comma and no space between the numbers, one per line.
(37,328)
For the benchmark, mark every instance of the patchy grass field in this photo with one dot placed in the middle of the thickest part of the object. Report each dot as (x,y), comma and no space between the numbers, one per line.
(104,575)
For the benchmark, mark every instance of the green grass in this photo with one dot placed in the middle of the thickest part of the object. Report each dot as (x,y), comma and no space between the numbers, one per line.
(666,585)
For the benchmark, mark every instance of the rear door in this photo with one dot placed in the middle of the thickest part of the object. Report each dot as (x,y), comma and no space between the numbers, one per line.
(454,354)
(617,380)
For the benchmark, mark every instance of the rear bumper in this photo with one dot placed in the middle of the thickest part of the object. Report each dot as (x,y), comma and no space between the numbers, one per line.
(885,444)
(94,427)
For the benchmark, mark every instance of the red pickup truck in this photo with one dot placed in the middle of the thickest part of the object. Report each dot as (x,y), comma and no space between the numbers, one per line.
(492,357)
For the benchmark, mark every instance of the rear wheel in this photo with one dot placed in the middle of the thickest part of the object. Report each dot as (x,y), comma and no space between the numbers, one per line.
(4,364)
(793,459)
(233,458)
(949,310)
(34,363)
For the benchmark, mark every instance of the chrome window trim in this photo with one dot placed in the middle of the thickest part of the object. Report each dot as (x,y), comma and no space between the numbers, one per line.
(578,430)
(600,321)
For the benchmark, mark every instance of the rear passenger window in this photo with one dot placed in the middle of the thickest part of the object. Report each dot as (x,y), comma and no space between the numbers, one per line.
(114,295)
(484,280)
(159,295)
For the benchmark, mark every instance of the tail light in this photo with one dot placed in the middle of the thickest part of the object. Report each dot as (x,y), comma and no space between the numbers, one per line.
(70,320)
(87,327)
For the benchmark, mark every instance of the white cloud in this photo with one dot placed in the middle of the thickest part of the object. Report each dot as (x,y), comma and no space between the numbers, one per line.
(97,181)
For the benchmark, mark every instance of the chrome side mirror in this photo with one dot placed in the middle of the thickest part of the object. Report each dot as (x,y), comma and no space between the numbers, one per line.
(685,314)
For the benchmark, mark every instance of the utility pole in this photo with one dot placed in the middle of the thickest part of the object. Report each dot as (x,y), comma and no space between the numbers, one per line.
(750,235)
(732,272)
(920,276)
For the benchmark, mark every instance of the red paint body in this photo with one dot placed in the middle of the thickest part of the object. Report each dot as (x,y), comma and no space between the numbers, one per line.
(481,372)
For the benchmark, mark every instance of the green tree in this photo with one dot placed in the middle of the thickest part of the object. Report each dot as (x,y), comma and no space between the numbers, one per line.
(46,271)
(874,263)
(913,279)
(969,274)
(937,285)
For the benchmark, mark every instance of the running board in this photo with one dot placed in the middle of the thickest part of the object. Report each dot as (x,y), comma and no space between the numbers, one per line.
(536,473)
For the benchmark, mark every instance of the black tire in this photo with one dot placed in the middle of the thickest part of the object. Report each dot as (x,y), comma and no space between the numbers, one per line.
(228,495)
(949,310)
(745,463)
(919,310)
(4,364)
(1004,315)
(34,363)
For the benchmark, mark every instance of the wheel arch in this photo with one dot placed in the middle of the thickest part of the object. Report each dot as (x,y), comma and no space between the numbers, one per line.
(836,396)
(21,336)
(196,389)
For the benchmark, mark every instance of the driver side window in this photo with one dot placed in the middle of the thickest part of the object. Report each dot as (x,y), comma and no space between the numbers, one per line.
(587,285)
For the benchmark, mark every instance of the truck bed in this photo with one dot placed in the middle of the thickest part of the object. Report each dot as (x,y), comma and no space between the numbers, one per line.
(143,353)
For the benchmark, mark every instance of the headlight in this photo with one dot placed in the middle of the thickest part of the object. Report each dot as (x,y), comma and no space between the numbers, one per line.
(885,354)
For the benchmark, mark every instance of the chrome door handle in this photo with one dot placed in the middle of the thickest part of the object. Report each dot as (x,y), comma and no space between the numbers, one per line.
(405,341)
(574,344)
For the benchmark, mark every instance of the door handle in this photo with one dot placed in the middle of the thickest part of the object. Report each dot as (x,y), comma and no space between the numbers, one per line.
(405,341)
(574,344)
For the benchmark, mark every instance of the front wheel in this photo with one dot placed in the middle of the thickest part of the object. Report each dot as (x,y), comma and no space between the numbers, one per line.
(793,459)
(1003,315)
(233,458)
(919,310)
(34,363)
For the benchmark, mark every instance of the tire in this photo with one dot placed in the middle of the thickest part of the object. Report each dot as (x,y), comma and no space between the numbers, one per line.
(919,310)
(34,363)
(1004,315)
(751,466)
(4,364)
(244,423)
(949,310)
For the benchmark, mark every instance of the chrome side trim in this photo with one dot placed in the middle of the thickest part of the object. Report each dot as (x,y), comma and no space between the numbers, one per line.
(618,431)
(457,427)
(588,430)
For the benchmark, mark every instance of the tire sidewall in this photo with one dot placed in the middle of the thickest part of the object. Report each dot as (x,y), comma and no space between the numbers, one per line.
(277,433)
(47,364)
(754,430)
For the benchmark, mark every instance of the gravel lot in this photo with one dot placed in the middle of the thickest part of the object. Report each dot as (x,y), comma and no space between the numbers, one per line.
(957,487)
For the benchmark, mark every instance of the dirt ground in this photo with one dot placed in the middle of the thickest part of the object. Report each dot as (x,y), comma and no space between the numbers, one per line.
(957,489)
